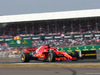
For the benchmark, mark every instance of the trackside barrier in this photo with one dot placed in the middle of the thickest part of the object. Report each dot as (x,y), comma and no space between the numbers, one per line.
(88,54)
(98,54)
(48,37)
(9,54)
(4,54)
(80,48)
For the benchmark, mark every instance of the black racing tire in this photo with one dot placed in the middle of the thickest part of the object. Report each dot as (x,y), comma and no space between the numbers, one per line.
(75,54)
(51,56)
(25,57)
(45,60)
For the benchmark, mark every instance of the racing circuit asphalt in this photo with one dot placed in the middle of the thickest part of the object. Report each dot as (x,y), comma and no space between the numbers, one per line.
(17,60)
(47,70)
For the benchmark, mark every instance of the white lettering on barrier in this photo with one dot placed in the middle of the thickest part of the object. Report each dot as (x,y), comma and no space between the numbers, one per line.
(57,37)
(77,36)
(47,37)
(97,35)
(87,35)
(67,36)
(35,38)
(7,39)
(25,38)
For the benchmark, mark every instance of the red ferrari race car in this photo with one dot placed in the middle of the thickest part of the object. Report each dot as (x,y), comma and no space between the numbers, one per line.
(46,53)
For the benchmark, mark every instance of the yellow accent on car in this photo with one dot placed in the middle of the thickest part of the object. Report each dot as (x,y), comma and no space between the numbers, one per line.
(40,55)
(51,57)
(23,57)
(66,54)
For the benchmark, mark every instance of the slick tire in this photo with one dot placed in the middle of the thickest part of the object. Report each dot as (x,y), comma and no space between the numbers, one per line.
(51,56)
(75,54)
(25,57)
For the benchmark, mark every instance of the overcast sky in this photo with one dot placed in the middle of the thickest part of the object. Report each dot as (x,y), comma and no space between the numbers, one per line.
(13,7)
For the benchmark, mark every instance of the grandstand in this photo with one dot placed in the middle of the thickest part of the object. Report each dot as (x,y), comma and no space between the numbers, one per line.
(68,28)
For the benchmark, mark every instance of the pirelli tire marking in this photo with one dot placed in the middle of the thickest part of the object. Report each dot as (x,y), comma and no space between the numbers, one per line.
(50,57)
(22,57)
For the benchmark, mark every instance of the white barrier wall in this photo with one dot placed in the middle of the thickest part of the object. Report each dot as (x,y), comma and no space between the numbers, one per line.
(9,54)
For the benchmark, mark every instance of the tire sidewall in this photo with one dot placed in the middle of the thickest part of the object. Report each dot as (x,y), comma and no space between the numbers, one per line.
(51,56)
(25,57)
(74,54)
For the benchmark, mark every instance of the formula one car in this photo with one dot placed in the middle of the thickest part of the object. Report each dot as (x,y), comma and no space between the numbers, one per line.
(46,53)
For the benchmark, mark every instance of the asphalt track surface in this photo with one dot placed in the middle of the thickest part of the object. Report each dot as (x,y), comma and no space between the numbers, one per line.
(49,71)
(17,60)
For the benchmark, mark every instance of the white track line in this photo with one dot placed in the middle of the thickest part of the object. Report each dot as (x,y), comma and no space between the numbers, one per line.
(92,73)
(29,63)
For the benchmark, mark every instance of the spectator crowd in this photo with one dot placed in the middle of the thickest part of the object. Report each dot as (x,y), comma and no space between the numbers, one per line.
(53,27)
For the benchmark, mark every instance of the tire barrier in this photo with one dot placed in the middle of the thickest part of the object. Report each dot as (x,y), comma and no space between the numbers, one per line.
(89,54)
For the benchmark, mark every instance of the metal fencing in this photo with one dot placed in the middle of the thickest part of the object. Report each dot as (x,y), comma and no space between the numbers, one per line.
(9,54)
